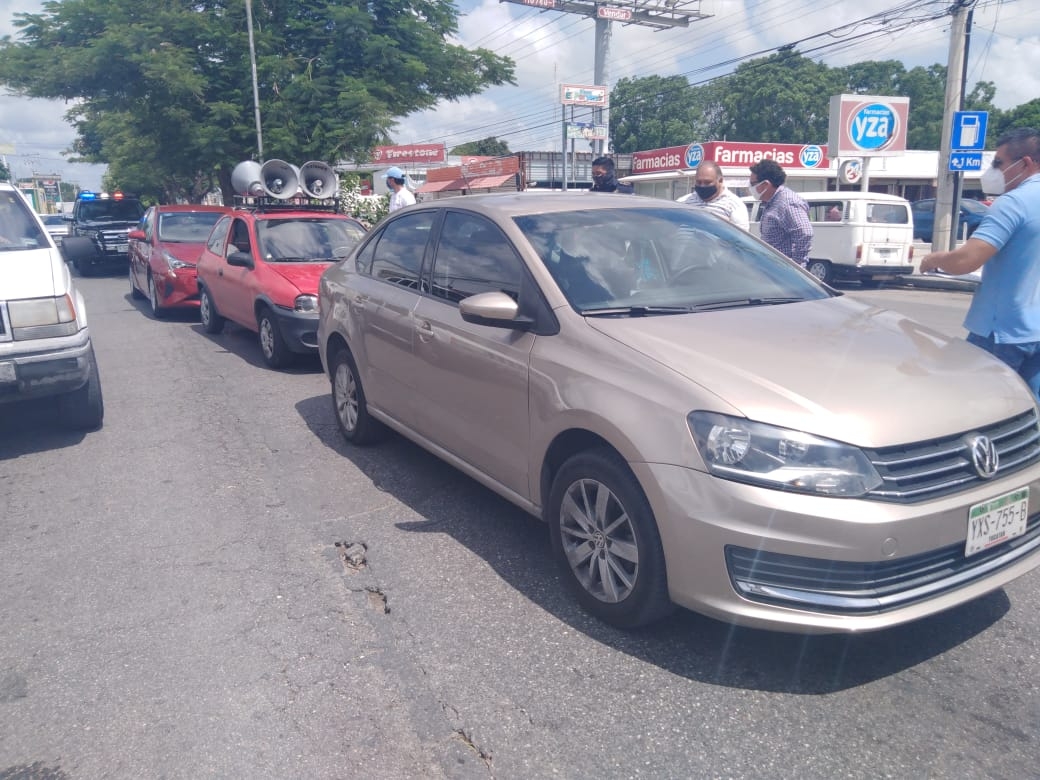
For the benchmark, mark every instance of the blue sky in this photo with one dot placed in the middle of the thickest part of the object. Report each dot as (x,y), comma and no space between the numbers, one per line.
(551,48)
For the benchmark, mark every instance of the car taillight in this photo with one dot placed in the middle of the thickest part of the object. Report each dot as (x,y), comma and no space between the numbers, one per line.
(859,252)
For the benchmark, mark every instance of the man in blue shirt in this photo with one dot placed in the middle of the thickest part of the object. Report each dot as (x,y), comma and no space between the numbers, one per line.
(1004,316)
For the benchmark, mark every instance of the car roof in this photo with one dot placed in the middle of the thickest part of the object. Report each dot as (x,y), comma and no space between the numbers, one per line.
(167,208)
(853,195)
(514,204)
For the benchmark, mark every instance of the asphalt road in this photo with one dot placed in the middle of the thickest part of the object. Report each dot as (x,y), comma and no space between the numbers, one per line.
(175,602)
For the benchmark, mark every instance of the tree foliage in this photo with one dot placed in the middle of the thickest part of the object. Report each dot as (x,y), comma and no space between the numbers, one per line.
(162,91)
(5,172)
(782,98)
(485,147)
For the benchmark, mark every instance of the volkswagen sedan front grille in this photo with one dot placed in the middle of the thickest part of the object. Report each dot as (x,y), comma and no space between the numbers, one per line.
(926,470)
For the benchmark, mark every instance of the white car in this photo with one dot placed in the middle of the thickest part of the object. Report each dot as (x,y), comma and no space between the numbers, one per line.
(45,347)
(56,227)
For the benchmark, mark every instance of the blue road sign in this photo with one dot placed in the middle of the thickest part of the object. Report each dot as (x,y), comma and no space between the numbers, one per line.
(969,131)
(963,162)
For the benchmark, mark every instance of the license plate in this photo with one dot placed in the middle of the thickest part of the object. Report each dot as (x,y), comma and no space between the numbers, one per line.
(7,373)
(122,247)
(995,521)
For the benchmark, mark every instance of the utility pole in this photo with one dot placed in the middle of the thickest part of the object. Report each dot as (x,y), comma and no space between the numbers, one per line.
(943,232)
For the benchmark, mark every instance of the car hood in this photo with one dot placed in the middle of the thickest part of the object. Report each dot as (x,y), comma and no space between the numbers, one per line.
(837,367)
(32,273)
(304,275)
(185,252)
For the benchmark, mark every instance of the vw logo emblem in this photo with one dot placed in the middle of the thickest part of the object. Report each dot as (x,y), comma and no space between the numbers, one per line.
(984,456)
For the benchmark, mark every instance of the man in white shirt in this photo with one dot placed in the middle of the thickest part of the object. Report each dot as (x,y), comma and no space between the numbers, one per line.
(400,195)
(709,192)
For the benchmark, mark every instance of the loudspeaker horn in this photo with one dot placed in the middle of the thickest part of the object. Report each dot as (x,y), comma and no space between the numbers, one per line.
(280,179)
(247,180)
(318,180)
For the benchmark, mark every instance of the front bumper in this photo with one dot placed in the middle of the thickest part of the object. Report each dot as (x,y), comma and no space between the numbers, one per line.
(41,369)
(732,552)
(852,272)
(299,329)
(177,288)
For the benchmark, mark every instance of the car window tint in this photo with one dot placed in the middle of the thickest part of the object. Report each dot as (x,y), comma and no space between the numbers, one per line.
(216,238)
(888,213)
(187,226)
(239,237)
(399,250)
(826,211)
(473,256)
(18,228)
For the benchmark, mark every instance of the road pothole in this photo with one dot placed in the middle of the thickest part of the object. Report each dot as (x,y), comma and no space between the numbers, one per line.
(353,554)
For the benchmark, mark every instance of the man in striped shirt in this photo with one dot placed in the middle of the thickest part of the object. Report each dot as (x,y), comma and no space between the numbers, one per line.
(784,216)
(710,193)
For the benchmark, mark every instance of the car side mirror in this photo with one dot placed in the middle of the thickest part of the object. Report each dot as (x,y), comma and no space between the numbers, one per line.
(240,259)
(137,235)
(494,309)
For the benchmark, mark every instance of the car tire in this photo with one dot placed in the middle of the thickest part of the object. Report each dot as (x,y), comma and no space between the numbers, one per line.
(821,269)
(606,542)
(212,322)
(349,403)
(153,299)
(134,292)
(275,351)
(84,409)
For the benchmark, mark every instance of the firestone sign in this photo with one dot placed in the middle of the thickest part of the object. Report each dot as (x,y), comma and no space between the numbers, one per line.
(413,153)
(729,154)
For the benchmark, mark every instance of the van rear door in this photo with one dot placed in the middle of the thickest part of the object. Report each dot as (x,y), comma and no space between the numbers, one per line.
(888,234)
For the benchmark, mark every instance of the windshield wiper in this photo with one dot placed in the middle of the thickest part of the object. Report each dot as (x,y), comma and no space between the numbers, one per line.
(735,302)
(636,311)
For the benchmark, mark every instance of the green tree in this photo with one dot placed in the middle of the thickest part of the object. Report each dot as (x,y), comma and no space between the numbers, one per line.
(5,172)
(485,147)
(783,98)
(651,113)
(1025,115)
(162,91)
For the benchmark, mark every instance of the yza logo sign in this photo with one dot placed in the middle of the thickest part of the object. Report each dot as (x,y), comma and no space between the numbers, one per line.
(810,156)
(873,126)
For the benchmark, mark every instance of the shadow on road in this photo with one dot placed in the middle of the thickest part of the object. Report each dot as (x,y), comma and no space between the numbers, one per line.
(33,426)
(516,546)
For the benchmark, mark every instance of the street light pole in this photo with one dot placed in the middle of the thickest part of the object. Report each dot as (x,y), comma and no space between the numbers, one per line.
(944,229)
(256,90)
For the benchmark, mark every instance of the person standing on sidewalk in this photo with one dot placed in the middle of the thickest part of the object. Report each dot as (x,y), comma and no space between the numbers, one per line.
(605,180)
(784,216)
(400,196)
(1004,315)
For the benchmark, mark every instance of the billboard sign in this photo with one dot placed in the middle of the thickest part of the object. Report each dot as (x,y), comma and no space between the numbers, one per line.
(730,154)
(868,126)
(411,153)
(613,13)
(581,95)
(577,131)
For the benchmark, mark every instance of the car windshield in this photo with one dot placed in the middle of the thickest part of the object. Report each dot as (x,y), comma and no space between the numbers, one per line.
(296,239)
(974,207)
(18,229)
(187,226)
(107,209)
(649,261)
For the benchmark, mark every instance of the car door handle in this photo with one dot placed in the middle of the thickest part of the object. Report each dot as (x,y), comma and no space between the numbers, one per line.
(220,272)
(425,330)
(357,303)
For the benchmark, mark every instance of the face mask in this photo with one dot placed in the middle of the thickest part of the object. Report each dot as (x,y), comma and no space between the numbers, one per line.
(706,193)
(600,180)
(993,182)
(756,193)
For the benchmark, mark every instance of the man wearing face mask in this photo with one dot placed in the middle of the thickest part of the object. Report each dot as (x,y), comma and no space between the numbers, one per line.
(1004,316)
(604,180)
(710,194)
(784,215)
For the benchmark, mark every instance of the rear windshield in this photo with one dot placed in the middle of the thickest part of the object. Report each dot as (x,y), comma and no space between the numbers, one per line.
(18,228)
(888,213)
(191,227)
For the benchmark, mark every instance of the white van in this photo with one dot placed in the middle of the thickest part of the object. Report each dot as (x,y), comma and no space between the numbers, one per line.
(863,236)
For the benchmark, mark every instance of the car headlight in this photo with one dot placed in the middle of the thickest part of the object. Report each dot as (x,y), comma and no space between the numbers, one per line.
(176,263)
(780,458)
(40,318)
(306,303)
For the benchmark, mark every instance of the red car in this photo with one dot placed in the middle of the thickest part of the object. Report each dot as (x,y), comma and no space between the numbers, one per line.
(260,269)
(163,251)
